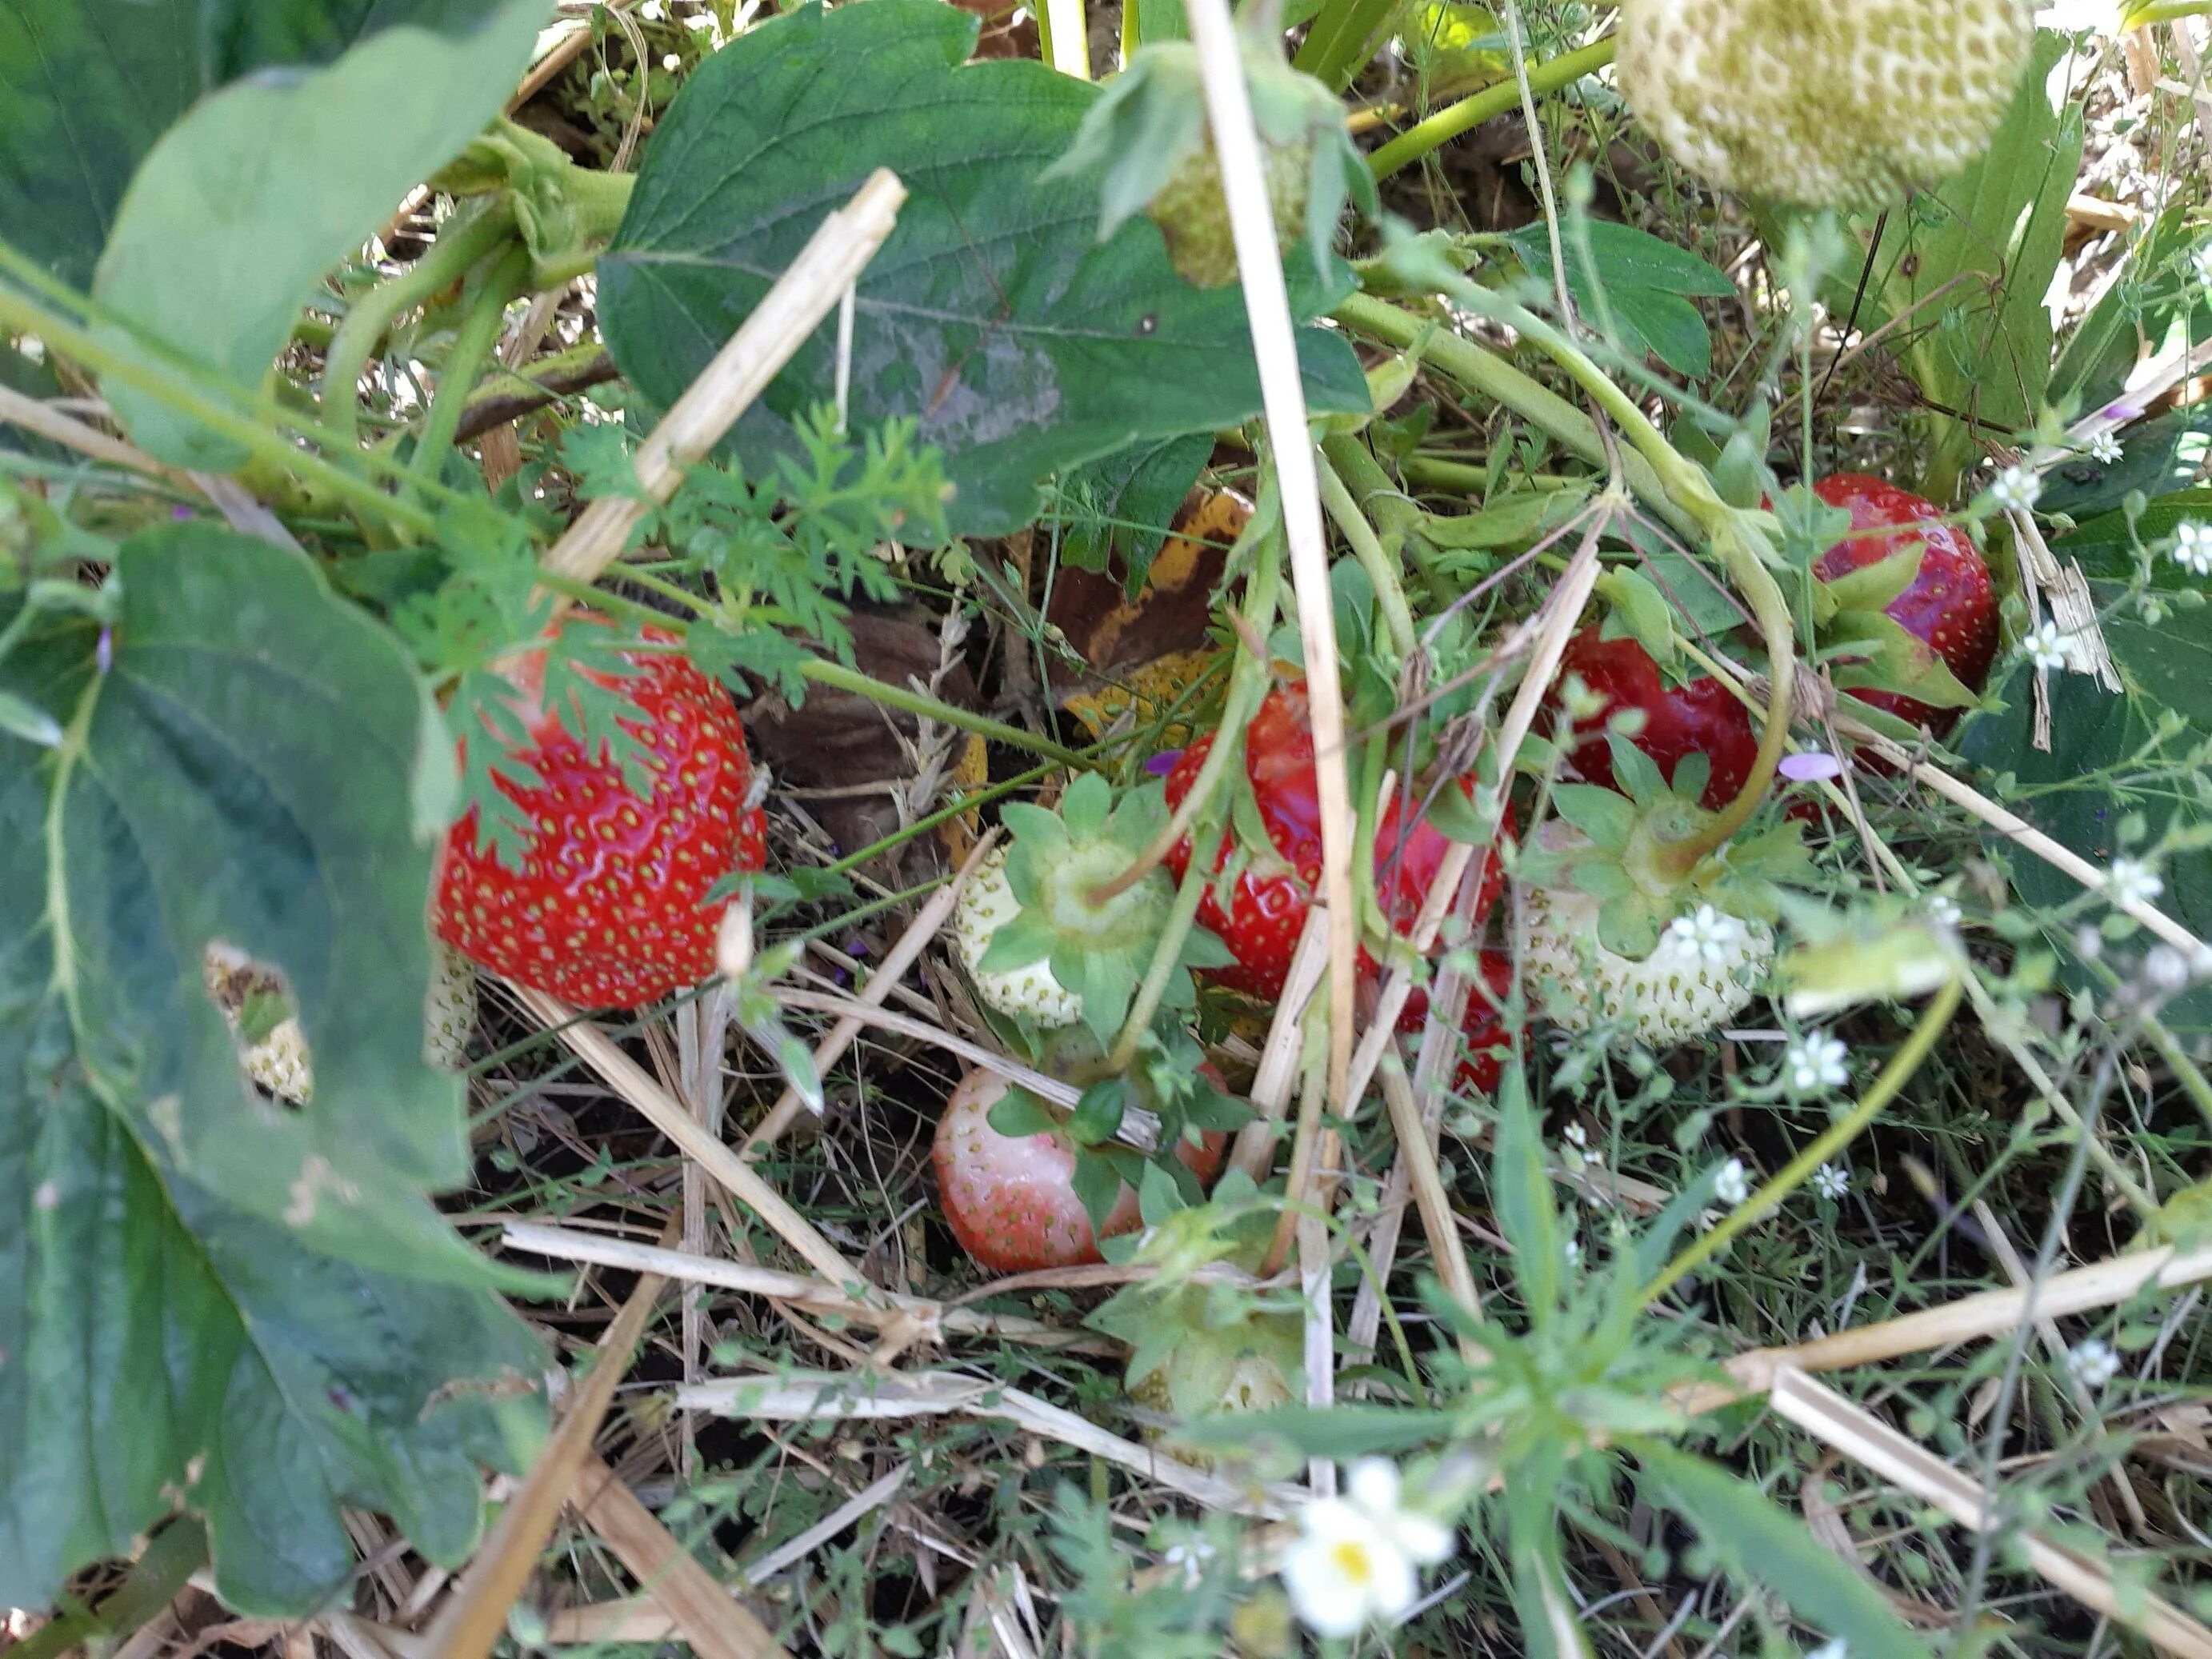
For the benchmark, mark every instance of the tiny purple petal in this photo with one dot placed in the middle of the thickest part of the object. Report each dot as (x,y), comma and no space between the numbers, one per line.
(180,513)
(840,976)
(854,947)
(1810,768)
(1164,763)
(105,653)
(2121,410)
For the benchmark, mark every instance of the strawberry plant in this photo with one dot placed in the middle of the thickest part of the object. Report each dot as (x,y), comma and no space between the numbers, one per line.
(1121,829)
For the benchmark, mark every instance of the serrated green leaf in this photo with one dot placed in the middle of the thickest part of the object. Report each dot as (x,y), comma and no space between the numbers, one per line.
(993,314)
(1763,1545)
(239,209)
(184,1271)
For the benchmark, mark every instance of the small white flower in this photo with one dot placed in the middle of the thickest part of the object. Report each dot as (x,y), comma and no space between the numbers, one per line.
(1577,1137)
(2015,489)
(1710,933)
(2132,881)
(1833,1648)
(2089,943)
(2092,1362)
(2165,969)
(1831,1181)
(2050,649)
(1943,908)
(2192,548)
(1574,1252)
(653,11)
(1733,1184)
(1355,1557)
(2105,447)
(672,61)
(1191,1558)
(1815,1062)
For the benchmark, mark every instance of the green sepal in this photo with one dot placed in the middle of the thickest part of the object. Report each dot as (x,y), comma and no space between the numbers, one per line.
(1018,1114)
(1627,925)
(1890,659)
(1605,816)
(1640,612)
(1874,587)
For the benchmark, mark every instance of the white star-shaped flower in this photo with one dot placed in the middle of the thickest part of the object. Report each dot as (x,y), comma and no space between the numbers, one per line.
(1733,1184)
(2132,881)
(2015,489)
(1943,908)
(2049,648)
(1814,1063)
(2105,447)
(1355,1558)
(2192,548)
(2093,1363)
(1831,1181)
(1713,934)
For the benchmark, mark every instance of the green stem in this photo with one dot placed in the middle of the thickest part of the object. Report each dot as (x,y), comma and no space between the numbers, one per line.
(1248,684)
(1167,962)
(1394,515)
(1381,569)
(824,672)
(2186,1072)
(943,814)
(1483,372)
(448,260)
(19,311)
(1908,1058)
(1448,123)
(479,333)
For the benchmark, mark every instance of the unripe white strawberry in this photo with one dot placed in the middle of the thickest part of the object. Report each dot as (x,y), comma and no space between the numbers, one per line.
(1823,103)
(449,1009)
(1030,992)
(280,1060)
(1702,972)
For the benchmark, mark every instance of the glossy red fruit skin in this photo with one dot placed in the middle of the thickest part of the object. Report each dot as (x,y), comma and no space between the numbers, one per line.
(607,912)
(1010,1200)
(1483,1030)
(1950,605)
(1267,913)
(1700,716)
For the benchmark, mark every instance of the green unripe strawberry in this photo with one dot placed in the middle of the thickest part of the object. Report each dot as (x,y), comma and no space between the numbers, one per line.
(1193,215)
(1823,103)
(1701,974)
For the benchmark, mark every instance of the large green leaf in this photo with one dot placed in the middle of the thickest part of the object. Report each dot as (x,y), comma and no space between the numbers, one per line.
(994,315)
(2079,789)
(86,86)
(244,204)
(200,1291)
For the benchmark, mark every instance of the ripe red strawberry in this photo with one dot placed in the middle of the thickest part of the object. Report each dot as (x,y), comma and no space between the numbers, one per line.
(1011,1200)
(607,911)
(1700,716)
(1484,1027)
(1949,604)
(1267,903)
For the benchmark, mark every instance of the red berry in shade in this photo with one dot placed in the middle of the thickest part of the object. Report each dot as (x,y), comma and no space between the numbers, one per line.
(1010,1199)
(1484,1029)
(608,908)
(1700,716)
(1266,910)
(1950,604)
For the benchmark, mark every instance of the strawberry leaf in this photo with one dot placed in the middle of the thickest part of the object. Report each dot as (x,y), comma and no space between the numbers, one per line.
(993,316)
(237,767)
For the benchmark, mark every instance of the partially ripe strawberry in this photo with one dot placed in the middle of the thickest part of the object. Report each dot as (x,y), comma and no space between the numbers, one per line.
(609,909)
(1702,972)
(1482,1031)
(1011,1200)
(1267,903)
(1948,606)
(1699,716)
(1823,103)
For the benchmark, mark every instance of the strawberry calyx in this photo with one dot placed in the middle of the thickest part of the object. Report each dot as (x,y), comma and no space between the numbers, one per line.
(1625,850)
(1097,942)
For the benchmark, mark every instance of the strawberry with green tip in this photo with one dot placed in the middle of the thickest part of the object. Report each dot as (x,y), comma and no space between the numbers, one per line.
(1040,943)
(610,906)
